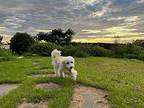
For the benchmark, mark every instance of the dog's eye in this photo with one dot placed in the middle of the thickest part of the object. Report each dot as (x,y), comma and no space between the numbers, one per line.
(71,62)
(67,63)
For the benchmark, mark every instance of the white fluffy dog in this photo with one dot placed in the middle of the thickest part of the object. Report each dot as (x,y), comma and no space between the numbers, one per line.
(63,64)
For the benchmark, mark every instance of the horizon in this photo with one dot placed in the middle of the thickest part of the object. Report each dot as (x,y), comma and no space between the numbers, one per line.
(92,20)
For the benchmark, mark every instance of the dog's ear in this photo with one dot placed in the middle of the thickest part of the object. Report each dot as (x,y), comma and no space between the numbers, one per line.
(63,62)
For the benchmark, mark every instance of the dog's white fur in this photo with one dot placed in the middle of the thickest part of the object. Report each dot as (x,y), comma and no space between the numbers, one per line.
(63,64)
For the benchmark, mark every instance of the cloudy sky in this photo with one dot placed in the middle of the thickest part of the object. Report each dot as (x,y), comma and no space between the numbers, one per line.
(92,20)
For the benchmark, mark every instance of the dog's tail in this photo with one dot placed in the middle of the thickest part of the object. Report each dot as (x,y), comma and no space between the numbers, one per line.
(55,53)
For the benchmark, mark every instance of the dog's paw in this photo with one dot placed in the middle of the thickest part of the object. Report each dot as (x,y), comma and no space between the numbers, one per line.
(74,74)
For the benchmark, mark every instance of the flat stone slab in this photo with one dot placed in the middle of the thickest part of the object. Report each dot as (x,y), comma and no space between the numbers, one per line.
(36,67)
(43,70)
(35,63)
(47,86)
(34,105)
(43,75)
(20,57)
(89,97)
(5,88)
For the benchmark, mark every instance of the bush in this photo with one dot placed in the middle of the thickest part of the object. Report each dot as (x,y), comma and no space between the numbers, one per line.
(130,56)
(84,51)
(99,51)
(119,50)
(68,50)
(141,55)
(127,50)
(5,55)
(43,49)
(81,54)
(76,51)
(20,43)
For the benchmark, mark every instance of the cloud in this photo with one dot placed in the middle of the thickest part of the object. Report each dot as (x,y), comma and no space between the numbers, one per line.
(90,31)
(2,29)
(125,18)
(122,31)
(139,1)
(132,19)
(40,30)
(100,13)
(88,18)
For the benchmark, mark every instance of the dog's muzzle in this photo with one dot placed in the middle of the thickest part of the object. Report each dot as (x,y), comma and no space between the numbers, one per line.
(71,67)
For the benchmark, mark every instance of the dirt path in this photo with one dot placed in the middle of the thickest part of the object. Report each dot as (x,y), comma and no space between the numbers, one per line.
(88,97)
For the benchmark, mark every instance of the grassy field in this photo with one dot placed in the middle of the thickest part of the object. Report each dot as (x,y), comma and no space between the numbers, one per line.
(122,78)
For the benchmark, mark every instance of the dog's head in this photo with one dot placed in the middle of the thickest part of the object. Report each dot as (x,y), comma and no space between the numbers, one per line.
(55,53)
(69,62)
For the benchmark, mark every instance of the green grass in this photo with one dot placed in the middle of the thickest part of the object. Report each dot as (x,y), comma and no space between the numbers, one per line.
(122,78)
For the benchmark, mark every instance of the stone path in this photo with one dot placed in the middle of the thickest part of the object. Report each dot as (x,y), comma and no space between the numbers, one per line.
(84,97)
(43,75)
(35,63)
(5,88)
(88,97)
(46,86)
(34,105)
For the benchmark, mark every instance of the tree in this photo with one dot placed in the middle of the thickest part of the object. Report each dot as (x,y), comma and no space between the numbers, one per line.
(20,42)
(56,36)
(40,36)
(68,35)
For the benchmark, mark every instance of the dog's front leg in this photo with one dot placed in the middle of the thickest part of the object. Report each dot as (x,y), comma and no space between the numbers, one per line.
(74,74)
(55,70)
(62,74)
(58,72)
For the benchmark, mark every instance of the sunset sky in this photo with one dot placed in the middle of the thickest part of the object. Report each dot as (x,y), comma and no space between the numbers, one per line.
(92,20)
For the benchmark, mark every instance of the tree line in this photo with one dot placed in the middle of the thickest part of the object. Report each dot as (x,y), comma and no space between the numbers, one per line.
(20,42)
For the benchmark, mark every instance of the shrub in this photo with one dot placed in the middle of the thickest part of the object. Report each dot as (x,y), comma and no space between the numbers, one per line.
(141,55)
(119,50)
(99,51)
(20,43)
(127,50)
(76,51)
(81,54)
(69,50)
(5,55)
(134,49)
(87,50)
(44,49)
(130,56)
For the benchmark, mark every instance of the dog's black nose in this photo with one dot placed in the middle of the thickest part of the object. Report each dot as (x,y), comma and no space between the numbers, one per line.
(71,67)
